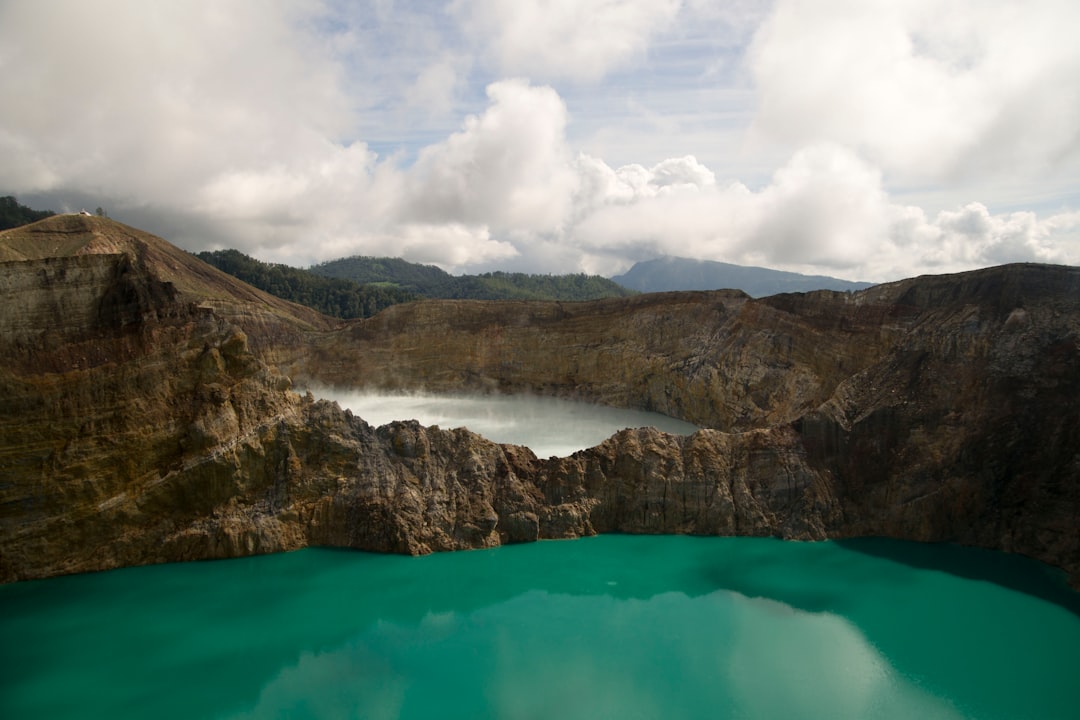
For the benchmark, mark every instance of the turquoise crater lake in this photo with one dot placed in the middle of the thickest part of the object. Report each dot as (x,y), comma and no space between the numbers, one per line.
(605,627)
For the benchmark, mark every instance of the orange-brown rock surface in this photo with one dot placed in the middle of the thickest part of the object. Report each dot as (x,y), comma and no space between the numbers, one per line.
(148,415)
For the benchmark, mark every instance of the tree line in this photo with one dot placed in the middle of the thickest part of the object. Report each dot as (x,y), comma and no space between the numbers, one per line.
(331,296)
(432,282)
(359,287)
(13,214)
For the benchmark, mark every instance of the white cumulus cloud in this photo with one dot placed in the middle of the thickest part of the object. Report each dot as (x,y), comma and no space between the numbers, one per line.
(565,38)
(869,140)
(824,211)
(141,99)
(927,89)
(508,167)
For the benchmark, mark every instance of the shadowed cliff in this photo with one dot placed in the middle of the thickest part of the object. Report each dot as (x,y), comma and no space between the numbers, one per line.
(150,416)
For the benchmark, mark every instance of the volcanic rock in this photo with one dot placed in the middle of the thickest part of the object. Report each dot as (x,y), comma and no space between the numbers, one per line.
(149,415)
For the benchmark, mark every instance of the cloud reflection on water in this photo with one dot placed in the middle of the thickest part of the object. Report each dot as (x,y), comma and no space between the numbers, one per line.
(543,654)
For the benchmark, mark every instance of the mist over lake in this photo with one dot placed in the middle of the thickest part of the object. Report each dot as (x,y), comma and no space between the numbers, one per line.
(550,427)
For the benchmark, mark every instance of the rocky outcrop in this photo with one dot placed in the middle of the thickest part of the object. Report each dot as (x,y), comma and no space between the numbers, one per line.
(966,430)
(148,414)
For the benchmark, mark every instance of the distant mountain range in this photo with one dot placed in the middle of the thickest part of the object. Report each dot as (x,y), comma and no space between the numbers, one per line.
(660,275)
(361,286)
(676,273)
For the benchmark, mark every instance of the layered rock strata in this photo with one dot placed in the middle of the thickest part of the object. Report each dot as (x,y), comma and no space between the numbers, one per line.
(148,414)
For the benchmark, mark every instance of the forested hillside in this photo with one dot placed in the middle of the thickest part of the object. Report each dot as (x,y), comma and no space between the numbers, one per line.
(332,296)
(13,215)
(432,282)
(396,271)
(522,286)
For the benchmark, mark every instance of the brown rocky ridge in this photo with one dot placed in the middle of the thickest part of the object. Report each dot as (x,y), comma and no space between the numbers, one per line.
(149,416)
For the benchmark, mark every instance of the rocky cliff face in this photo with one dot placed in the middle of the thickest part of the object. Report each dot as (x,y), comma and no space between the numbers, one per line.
(149,416)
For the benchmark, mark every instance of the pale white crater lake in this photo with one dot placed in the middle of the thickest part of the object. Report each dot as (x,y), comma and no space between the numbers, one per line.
(548,426)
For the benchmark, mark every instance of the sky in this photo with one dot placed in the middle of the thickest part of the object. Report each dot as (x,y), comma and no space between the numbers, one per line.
(864,139)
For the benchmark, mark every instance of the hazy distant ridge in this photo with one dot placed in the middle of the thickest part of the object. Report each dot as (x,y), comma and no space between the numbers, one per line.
(676,273)
(432,282)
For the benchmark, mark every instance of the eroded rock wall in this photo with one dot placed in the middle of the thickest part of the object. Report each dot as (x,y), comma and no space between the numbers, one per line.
(968,429)
(143,422)
(716,359)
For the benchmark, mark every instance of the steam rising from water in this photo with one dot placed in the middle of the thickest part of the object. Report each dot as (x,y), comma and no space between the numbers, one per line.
(548,426)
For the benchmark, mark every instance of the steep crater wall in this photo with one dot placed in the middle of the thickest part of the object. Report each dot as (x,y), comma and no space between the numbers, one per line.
(144,423)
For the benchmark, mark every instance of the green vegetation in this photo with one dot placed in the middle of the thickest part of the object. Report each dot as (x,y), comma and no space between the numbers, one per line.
(431,282)
(521,286)
(13,215)
(393,271)
(332,296)
(358,287)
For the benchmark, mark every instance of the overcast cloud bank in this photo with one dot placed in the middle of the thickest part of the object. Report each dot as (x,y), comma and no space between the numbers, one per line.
(874,141)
